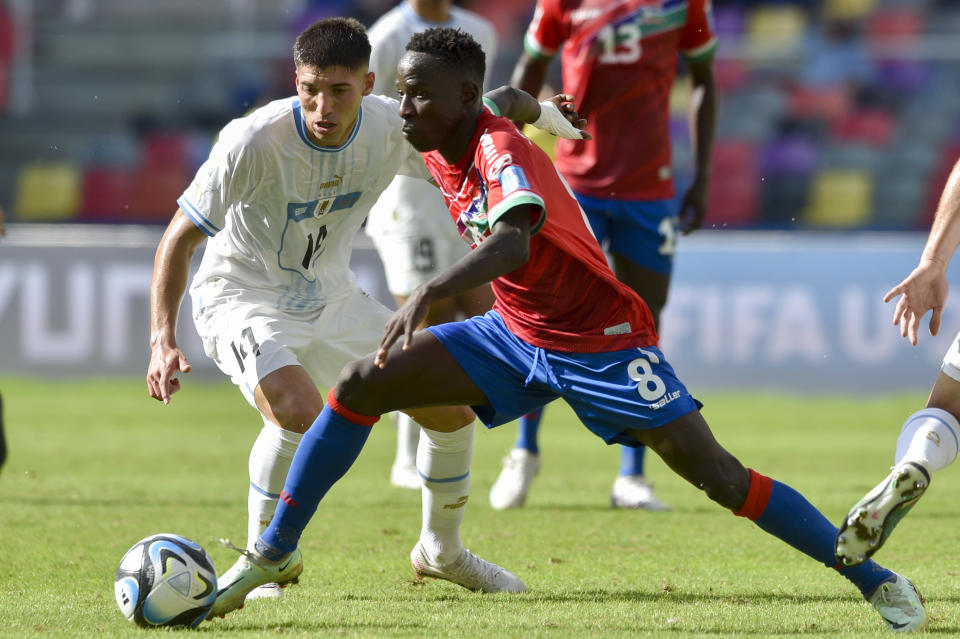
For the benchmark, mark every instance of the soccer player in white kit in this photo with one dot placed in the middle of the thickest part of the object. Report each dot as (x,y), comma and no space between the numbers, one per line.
(930,438)
(282,195)
(409,224)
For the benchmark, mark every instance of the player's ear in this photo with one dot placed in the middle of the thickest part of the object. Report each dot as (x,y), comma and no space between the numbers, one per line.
(470,93)
(368,83)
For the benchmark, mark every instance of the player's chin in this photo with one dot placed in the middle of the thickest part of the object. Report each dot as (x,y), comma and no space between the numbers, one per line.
(417,141)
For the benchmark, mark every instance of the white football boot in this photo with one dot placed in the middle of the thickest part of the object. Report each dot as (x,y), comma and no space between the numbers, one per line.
(632,491)
(405,476)
(520,466)
(469,571)
(271,590)
(900,604)
(252,570)
(872,519)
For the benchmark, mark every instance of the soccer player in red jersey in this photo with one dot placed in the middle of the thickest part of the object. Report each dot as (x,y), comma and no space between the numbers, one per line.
(619,61)
(562,326)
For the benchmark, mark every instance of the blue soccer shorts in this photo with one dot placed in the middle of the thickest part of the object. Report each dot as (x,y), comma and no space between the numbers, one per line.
(643,232)
(610,392)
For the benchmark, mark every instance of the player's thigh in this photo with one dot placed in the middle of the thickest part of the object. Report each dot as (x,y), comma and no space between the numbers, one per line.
(653,286)
(344,331)
(423,375)
(249,341)
(945,393)
(475,362)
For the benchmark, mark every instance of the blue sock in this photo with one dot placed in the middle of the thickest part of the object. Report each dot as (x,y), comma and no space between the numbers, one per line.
(527,432)
(631,460)
(785,513)
(324,455)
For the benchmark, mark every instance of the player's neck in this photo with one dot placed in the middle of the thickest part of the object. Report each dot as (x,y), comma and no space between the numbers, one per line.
(431,10)
(458,143)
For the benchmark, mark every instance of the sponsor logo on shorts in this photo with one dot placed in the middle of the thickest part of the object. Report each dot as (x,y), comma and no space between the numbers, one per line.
(666,399)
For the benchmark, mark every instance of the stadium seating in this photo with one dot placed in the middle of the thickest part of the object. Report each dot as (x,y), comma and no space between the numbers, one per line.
(734,196)
(107,195)
(47,192)
(839,198)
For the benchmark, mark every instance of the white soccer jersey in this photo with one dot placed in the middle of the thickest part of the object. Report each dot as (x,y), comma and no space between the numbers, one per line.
(282,211)
(413,207)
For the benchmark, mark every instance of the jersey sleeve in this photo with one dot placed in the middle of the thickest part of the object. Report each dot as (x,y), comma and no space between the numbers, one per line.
(697,38)
(505,160)
(224,179)
(545,34)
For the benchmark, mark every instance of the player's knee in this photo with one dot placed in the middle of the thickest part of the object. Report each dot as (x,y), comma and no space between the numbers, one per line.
(294,413)
(355,387)
(727,485)
(443,418)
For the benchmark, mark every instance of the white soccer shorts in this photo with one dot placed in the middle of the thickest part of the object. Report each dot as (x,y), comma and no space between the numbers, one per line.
(951,360)
(410,262)
(249,341)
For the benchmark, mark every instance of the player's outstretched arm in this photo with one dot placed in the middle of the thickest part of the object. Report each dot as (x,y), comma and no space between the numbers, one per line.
(171,267)
(926,288)
(507,248)
(558,115)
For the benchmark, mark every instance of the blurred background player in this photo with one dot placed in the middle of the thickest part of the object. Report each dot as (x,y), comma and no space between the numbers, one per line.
(619,61)
(409,224)
(930,438)
(281,197)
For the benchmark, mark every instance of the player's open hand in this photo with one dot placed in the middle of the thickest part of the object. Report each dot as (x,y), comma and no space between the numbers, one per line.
(925,289)
(165,362)
(403,324)
(558,115)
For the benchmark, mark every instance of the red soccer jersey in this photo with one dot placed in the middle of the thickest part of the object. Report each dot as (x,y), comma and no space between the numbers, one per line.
(619,61)
(565,297)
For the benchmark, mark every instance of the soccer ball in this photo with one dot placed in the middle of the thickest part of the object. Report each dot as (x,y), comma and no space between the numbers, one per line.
(166,580)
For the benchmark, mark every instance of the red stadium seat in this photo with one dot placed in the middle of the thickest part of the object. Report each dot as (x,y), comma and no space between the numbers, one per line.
(155,192)
(875,127)
(106,194)
(734,196)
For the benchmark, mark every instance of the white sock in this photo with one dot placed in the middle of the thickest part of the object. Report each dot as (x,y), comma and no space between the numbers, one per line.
(270,460)
(443,460)
(408,437)
(931,438)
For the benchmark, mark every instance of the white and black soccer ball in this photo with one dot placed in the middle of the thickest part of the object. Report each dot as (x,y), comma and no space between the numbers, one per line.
(166,580)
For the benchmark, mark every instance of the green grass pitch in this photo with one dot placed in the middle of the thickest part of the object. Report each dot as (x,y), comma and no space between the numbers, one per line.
(95,466)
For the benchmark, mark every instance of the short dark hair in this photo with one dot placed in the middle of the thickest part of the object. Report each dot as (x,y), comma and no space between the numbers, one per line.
(333,42)
(453,48)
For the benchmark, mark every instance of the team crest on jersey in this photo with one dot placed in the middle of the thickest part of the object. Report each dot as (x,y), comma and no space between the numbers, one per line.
(472,223)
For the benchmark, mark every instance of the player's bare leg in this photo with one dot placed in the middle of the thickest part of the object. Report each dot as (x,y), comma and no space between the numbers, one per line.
(475,301)
(928,442)
(631,489)
(690,449)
